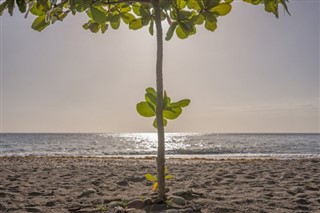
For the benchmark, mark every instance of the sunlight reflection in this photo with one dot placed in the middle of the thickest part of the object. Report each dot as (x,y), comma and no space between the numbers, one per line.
(149,141)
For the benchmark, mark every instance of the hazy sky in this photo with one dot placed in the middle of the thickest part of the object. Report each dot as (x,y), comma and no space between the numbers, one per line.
(255,73)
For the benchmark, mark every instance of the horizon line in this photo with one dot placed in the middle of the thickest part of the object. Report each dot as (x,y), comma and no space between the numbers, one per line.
(156,132)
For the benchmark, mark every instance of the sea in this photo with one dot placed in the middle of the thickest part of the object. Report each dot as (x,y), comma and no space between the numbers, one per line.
(186,145)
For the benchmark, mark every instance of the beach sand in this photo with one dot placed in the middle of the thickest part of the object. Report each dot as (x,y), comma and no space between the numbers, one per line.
(66,184)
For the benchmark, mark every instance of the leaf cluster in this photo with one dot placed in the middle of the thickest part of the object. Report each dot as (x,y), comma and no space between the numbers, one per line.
(171,110)
(182,15)
(271,6)
(154,179)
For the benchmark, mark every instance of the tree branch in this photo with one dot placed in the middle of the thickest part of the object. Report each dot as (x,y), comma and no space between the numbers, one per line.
(108,2)
(124,1)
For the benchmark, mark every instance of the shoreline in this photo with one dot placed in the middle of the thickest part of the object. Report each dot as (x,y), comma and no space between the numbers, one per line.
(209,157)
(58,184)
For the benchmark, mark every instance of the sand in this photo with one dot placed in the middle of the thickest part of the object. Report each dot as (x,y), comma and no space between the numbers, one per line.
(49,184)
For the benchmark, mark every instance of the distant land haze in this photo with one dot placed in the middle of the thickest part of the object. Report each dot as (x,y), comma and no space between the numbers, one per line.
(255,73)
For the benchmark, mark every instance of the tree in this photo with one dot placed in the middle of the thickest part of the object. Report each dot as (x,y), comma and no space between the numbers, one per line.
(182,15)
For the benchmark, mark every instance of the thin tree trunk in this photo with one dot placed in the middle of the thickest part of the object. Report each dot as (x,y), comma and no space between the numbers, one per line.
(160,128)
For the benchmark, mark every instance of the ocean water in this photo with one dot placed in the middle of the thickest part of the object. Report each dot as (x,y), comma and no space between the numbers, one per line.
(177,145)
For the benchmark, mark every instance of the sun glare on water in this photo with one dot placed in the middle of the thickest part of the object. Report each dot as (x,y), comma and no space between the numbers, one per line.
(149,141)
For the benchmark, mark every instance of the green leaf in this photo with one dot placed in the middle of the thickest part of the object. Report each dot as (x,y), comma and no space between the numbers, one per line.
(212,3)
(187,27)
(165,4)
(72,4)
(3,6)
(62,16)
(136,8)
(166,100)
(94,27)
(171,30)
(89,14)
(211,17)
(98,15)
(145,109)
(155,125)
(115,22)
(184,15)
(163,16)
(144,12)
(124,7)
(103,27)
(136,24)
(222,9)
(151,27)
(151,178)
(172,113)
(150,98)
(165,122)
(181,103)
(228,1)
(180,33)
(180,3)
(10,7)
(173,14)
(211,26)
(270,6)
(193,4)
(22,5)
(168,177)
(201,4)
(145,20)
(127,17)
(199,19)
(39,23)
(165,170)
(44,5)
(152,91)
(92,3)
(86,25)
(80,5)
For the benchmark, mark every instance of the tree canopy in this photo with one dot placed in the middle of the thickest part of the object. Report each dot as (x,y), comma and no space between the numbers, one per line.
(183,16)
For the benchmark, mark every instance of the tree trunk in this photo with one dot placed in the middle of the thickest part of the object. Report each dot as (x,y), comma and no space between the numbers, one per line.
(160,128)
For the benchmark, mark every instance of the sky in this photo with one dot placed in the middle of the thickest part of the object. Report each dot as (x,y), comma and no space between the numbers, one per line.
(254,74)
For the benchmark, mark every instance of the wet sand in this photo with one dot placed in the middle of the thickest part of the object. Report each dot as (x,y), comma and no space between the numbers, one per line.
(64,184)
